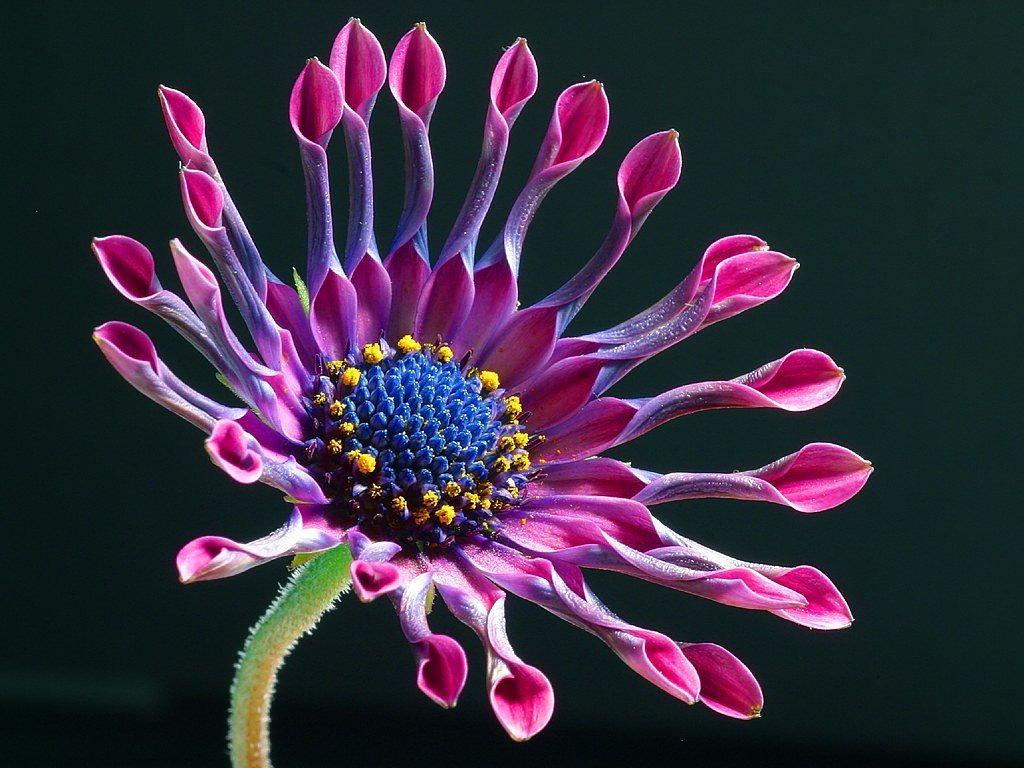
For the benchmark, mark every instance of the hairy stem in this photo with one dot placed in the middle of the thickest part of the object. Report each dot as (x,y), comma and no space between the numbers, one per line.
(310,592)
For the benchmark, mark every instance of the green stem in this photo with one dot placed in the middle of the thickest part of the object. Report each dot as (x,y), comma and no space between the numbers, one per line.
(311,592)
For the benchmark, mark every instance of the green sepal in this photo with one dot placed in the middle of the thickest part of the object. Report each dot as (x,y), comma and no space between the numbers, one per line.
(303,291)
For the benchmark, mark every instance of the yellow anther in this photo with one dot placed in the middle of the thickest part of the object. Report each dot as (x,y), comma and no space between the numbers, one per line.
(489,380)
(513,407)
(346,428)
(444,353)
(335,447)
(372,353)
(446,514)
(513,491)
(473,500)
(521,462)
(451,488)
(521,439)
(484,489)
(430,499)
(365,463)
(408,344)
(334,367)
(485,503)
(398,503)
(336,410)
(319,399)
(351,377)
(506,444)
(375,491)
(420,516)
(501,464)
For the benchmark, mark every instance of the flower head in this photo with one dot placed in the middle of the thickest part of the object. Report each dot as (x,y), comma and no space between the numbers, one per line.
(408,407)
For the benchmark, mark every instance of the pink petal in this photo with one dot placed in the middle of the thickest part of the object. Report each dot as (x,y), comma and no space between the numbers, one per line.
(514,80)
(578,126)
(826,608)
(316,103)
(204,201)
(726,685)
(372,579)
(819,476)
(592,477)
(128,265)
(358,61)
(215,557)
(648,172)
(417,73)
(186,127)
(229,449)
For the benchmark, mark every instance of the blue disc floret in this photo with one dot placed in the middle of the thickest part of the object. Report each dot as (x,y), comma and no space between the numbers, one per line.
(414,446)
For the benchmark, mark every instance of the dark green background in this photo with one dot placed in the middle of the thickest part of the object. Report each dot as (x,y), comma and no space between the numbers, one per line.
(877,143)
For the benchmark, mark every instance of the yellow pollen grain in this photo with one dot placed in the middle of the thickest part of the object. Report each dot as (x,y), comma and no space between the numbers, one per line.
(444,353)
(521,439)
(365,463)
(521,462)
(451,488)
(420,516)
(489,380)
(501,464)
(398,503)
(335,447)
(351,377)
(446,514)
(336,410)
(430,499)
(485,503)
(506,444)
(319,399)
(484,489)
(513,407)
(346,428)
(334,367)
(375,491)
(372,353)
(408,344)
(473,500)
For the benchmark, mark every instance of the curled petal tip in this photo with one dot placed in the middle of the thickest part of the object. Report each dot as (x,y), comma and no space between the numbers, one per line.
(316,103)
(229,449)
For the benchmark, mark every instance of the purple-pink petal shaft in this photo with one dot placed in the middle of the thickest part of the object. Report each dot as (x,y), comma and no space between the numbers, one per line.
(410,409)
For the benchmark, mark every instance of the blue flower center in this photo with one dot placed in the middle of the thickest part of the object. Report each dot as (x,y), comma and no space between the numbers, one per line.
(412,446)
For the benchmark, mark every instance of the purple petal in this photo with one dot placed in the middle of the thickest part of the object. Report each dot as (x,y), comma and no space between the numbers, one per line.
(559,392)
(495,295)
(332,315)
(649,171)
(445,301)
(591,477)
(372,285)
(214,557)
(520,695)
(246,458)
(817,477)
(513,83)
(441,662)
(726,685)
(520,348)
(416,78)
(204,204)
(132,354)
(409,272)
(358,60)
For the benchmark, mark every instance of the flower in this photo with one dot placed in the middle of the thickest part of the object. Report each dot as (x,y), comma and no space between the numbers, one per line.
(408,408)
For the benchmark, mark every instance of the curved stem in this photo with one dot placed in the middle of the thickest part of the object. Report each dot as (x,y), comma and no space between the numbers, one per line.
(311,592)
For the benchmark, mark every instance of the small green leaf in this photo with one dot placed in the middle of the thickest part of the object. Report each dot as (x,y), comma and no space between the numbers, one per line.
(303,291)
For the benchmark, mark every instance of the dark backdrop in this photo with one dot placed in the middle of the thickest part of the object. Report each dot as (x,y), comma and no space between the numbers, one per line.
(878,143)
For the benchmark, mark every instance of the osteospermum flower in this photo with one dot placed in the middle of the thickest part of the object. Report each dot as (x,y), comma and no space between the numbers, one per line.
(410,409)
